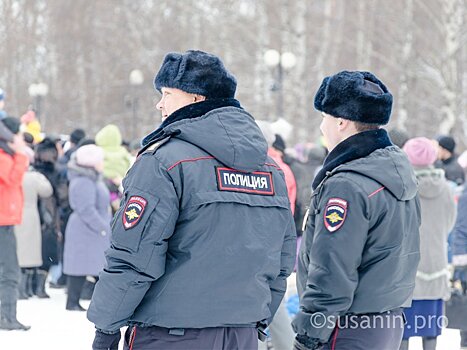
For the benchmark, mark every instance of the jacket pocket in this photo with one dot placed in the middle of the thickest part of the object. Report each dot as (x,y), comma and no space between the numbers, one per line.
(133,219)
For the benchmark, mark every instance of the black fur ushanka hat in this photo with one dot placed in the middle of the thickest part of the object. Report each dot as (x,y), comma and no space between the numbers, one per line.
(196,72)
(357,96)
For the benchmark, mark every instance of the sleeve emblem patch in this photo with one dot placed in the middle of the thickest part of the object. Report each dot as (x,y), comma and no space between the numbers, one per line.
(335,214)
(133,212)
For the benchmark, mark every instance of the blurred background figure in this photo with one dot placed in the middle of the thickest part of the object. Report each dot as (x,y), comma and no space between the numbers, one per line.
(117,161)
(30,124)
(304,172)
(398,137)
(75,137)
(459,244)
(438,215)
(280,329)
(46,156)
(277,155)
(5,133)
(134,147)
(14,164)
(29,141)
(28,233)
(447,160)
(88,229)
(78,135)
(2,105)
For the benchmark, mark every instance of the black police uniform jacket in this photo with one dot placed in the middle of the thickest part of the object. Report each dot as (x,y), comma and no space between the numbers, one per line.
(204,236)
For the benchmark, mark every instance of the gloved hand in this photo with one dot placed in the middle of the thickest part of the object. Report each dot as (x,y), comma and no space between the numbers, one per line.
(103,341)
(302,342)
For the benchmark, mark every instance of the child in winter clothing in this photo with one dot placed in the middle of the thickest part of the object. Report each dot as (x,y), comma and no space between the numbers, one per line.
(117,161)
(31,125)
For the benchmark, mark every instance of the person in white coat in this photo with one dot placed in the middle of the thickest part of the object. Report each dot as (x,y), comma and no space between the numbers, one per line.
(28,234)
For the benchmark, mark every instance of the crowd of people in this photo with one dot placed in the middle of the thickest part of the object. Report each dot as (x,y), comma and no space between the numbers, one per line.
(54,189)
(58,197)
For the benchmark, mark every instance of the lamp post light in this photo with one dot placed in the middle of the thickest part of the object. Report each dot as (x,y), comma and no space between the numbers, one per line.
(136,79)
(283,61)
(37,92)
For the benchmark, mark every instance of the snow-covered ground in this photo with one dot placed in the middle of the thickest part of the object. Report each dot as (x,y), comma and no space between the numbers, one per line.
(54,328)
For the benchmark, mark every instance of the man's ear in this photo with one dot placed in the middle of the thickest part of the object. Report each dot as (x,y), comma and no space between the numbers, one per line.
(199,98)
(342,123)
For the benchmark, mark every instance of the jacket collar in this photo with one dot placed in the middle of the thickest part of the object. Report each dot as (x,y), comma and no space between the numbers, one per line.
(357,146)
(191,111)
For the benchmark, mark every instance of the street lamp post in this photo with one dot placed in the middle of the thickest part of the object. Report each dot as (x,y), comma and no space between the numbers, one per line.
(283,61)
(37,92)
(136,79)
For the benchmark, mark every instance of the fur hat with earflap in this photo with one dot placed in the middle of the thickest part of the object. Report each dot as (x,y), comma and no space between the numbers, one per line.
(196,72)
(357,96)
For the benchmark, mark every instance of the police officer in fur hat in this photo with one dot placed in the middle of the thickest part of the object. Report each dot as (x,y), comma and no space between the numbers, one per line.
(360,247)
(204,239)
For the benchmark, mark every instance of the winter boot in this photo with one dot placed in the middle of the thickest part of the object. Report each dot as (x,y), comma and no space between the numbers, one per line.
(75,285)
(88,288)
(8,319)
(29,282)
(41,277)
(23,284)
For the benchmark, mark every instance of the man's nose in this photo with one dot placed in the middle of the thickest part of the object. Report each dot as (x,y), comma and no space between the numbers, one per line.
(159,104)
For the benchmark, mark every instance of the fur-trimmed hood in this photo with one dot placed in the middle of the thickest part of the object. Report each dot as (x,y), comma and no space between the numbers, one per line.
(220,127)
(372,154)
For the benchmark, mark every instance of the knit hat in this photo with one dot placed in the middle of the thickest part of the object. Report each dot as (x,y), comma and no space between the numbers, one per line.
(462,160)
(267,131)
(279,143)
(89,156)
(356,96)
(76,135)
(447,142)
(196,72)
(420,151)
(12,124)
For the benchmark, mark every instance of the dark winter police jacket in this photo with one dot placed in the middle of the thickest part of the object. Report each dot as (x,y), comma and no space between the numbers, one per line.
(204,236)
(360,250)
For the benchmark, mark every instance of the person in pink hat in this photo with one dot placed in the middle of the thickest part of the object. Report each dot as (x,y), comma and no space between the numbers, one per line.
(88,229)
(438,216)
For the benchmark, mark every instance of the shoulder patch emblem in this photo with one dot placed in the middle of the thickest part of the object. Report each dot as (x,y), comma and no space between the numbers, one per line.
(133,212)
(257,182)
(335,214)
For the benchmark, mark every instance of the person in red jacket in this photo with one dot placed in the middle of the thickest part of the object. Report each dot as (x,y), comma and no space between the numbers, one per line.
(13,165)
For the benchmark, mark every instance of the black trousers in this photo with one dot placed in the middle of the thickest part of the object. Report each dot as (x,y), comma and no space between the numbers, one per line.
(220,338)
(9,268)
